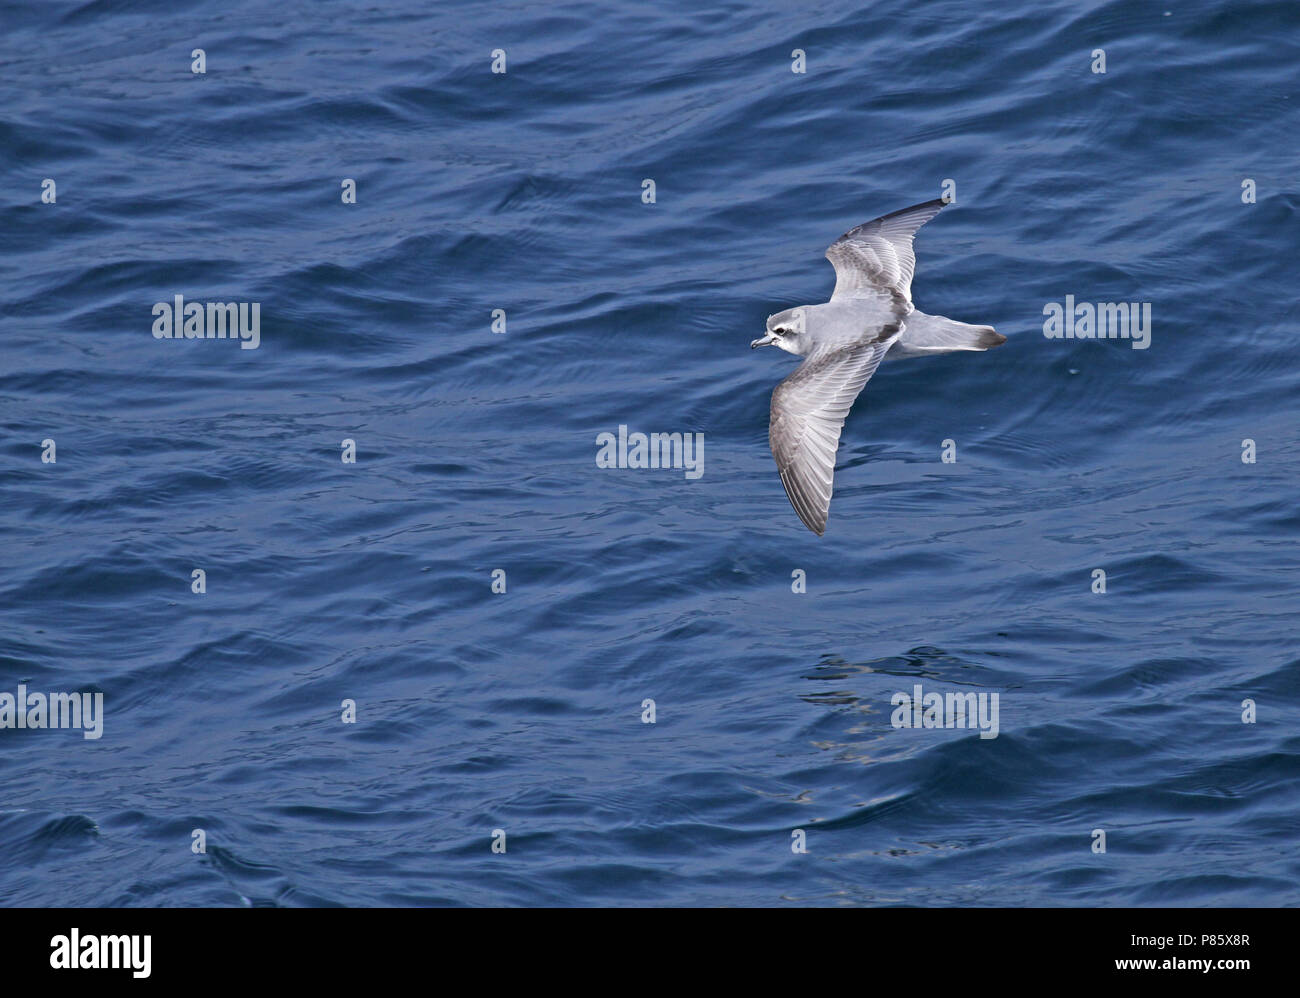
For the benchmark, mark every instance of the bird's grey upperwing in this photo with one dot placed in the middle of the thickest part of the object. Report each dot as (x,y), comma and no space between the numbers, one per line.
(876,258)
(808,412)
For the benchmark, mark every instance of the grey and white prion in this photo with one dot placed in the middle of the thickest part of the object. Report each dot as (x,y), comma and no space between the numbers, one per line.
(843,341)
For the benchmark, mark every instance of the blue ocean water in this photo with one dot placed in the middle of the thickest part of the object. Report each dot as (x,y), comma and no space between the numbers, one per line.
(478,712)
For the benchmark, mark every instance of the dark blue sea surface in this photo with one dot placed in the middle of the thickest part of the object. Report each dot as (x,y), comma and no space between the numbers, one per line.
(478,711)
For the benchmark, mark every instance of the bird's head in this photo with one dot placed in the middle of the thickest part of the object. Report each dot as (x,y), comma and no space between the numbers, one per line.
(785,330)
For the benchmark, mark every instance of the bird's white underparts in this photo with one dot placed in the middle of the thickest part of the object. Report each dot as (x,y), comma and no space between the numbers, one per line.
(870,315)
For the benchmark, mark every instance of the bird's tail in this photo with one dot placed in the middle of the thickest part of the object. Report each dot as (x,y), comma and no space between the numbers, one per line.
(934,334)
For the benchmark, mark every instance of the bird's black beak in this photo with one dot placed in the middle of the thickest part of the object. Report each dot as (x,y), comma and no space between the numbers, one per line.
(767,340)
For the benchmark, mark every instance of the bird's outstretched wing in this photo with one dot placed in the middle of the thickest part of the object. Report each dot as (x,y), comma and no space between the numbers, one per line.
(876,258)
(808,411)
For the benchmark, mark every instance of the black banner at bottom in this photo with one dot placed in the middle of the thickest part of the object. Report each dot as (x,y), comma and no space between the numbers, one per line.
(335,947)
